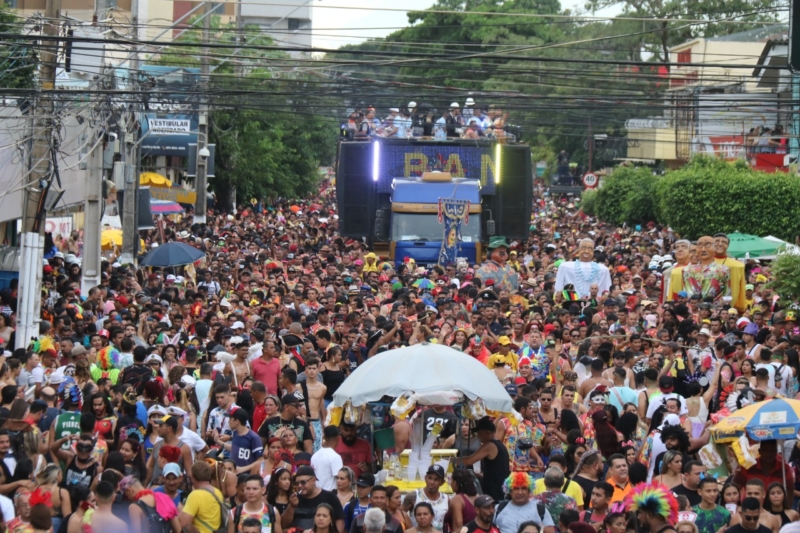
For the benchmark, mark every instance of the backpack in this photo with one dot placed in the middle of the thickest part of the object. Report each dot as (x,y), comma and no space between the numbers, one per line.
(539,508)
(155,522)
(224,515)
(237,515)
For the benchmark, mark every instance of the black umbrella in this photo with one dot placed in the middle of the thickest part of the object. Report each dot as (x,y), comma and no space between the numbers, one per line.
(172,254)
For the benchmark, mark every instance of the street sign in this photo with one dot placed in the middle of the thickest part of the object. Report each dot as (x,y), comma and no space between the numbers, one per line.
(590,180)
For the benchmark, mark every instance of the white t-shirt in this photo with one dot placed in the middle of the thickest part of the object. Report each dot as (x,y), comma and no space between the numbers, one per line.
(7,506)
(771,369)
(658,401)
(326,463)
(192,440)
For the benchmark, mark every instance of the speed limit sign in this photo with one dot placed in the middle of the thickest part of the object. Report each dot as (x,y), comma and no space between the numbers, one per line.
(590,180)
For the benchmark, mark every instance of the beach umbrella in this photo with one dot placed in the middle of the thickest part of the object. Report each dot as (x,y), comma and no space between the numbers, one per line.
(165,207)
(774,419)
(171,254)
(423,368)
(424,284)
(742,244)
(154,179)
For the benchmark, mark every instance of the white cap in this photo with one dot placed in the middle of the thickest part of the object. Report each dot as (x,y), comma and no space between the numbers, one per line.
(454,105)
(704,331)
(153,357)
(189,381)
(469,101)
(171,277)
(156,410)
(224,303)
(238,324)
(116,264)
(412,105)
(154,245)
(394,109)
(173,410)
(670,420)
(70,258)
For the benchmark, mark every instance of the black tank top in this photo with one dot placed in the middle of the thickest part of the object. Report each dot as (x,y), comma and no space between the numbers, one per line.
(784,518)
(495,471)
(81,477)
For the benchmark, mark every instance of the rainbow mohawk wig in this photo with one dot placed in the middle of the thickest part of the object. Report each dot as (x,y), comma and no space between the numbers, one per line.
(108,358)
(654,498)
(518,480)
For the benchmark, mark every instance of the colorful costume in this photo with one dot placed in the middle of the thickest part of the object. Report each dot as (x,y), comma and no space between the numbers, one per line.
(709,281)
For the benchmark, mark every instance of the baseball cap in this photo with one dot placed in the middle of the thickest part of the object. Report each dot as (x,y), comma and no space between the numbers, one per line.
(504,340)
(511,389)
(436,469)
(666,384)
(484,500)
(240,415)
(294,397)
(366,480)
(305,470)
(748,287)
(172,469)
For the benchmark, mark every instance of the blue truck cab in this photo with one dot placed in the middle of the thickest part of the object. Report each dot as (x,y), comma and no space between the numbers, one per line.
(416,232)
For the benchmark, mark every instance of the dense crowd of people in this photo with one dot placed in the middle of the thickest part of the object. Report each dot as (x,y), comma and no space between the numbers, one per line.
(197,399)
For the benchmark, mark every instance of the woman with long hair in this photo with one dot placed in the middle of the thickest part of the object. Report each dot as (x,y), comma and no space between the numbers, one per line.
(460,340)
(730,497)
(614,523)
(776,504)
(323,520)
(461,509)
(48,480)
(279,489)
(133,453)
(345,485)
(169,353)
(574,453)
(792,360)
(82,373)
(567,422)
(394,505)
(748,370)
(607,439)
(671,467)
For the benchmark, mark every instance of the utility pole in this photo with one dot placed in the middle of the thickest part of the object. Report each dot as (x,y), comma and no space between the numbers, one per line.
(93,213)
(37,185)
(129,151)
(202,123)
(591,144)
(239,68)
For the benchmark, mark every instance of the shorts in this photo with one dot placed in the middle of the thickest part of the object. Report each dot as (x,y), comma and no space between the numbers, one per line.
(317,425)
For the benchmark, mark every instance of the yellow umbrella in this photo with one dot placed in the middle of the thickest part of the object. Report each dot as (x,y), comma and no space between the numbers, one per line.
(110,237)
(153,179)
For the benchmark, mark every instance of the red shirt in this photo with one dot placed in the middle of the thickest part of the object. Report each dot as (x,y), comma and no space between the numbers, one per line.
(756,471)
(267,373)
(352,456)
(259,415)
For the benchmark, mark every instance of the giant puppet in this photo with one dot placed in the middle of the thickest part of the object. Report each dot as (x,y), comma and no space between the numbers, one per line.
(496,269)
(738,282)
(583,272)
(707,278)
(673,276)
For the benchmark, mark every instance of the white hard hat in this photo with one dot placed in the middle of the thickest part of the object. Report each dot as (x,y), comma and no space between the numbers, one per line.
(454,105)
(469,101)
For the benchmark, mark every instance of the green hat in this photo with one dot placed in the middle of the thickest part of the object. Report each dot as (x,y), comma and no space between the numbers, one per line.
(497,242)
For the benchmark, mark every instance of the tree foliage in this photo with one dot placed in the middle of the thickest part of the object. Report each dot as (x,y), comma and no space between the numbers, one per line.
(786,272)
(589,202)
(267,144)
(706,196)
(710,195)
(658,36)
(17,60)
(627,196)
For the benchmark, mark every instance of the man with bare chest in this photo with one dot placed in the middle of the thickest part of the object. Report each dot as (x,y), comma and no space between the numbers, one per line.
(239,366)
(314,391)
(597,366)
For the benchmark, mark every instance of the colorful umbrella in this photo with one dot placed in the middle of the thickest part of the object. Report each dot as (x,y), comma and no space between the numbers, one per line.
(165,207)
(154,180)
(778,418)
(424,284)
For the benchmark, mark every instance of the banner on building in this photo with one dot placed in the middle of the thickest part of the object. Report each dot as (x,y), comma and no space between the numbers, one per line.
(452,213)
